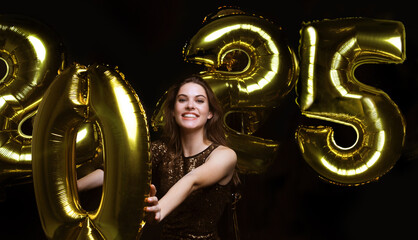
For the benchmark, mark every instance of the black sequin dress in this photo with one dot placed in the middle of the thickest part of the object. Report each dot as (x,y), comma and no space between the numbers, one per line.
(197,217)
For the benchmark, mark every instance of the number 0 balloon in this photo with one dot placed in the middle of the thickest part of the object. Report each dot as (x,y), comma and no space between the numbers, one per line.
(330,52)
(98,95)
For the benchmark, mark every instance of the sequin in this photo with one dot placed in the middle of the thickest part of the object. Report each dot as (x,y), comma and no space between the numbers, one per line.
(197,217)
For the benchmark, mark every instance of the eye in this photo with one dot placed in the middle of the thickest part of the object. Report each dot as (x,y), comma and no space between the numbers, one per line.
(181,99)
(199,100)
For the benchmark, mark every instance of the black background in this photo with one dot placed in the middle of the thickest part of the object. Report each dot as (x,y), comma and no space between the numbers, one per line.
(289,201)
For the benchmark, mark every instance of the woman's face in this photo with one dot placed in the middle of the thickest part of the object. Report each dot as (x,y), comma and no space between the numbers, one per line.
(191,109)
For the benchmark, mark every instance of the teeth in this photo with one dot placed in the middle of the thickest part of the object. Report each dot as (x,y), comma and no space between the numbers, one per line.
(189,115)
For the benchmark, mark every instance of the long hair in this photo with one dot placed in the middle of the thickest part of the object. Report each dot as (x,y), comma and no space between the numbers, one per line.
(214,128)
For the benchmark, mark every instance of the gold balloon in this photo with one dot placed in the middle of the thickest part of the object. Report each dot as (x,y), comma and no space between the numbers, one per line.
(251,69)
(30,57)
(88,149)
(330,51)
(98,95)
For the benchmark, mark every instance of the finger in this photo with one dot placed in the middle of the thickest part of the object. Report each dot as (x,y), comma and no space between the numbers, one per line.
(153,209)
(158,216)
(152,200)
(152,190)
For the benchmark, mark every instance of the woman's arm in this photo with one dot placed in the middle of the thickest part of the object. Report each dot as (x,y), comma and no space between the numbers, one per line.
(91,180)
(218,168)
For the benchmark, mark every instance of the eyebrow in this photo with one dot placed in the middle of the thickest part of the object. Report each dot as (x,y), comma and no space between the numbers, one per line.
(200,95)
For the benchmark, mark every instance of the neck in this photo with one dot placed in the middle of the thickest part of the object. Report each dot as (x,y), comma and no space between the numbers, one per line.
(193,142)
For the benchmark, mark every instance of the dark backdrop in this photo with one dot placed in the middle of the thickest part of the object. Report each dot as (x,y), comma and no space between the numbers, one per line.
(289,201)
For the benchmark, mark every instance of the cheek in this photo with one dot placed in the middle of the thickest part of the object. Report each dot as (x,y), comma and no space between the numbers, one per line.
(176,110)
(175,115)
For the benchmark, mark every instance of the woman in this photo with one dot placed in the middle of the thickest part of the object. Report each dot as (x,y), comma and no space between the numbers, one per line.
(192,167)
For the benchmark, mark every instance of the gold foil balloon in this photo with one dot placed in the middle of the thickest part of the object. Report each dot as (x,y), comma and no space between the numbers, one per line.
(250,69)
(99,95)
(30,57)
(88,149)
(330,51)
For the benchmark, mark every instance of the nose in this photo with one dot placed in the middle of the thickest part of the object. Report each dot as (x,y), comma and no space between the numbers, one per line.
(190,105)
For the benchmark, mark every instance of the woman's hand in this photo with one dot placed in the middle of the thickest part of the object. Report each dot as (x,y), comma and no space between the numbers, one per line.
(153,209)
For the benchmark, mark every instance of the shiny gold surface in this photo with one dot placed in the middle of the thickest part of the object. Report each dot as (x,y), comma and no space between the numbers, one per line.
(102,96)
(31,56)
(250,69)
(327,90)
(88,149)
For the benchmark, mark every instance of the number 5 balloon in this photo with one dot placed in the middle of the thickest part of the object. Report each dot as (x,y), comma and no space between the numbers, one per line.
(330,51)
(98,95)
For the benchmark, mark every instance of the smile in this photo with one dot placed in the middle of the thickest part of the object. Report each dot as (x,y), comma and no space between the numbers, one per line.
(189,115)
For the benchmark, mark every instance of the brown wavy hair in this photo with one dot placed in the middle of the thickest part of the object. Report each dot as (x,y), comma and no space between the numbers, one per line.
(214,128)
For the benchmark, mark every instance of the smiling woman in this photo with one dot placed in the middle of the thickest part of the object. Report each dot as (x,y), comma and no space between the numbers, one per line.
(192,167)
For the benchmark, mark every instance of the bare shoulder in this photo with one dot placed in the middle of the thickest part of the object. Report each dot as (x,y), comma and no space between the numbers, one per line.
(225,154)
(224,159)
(225,150)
